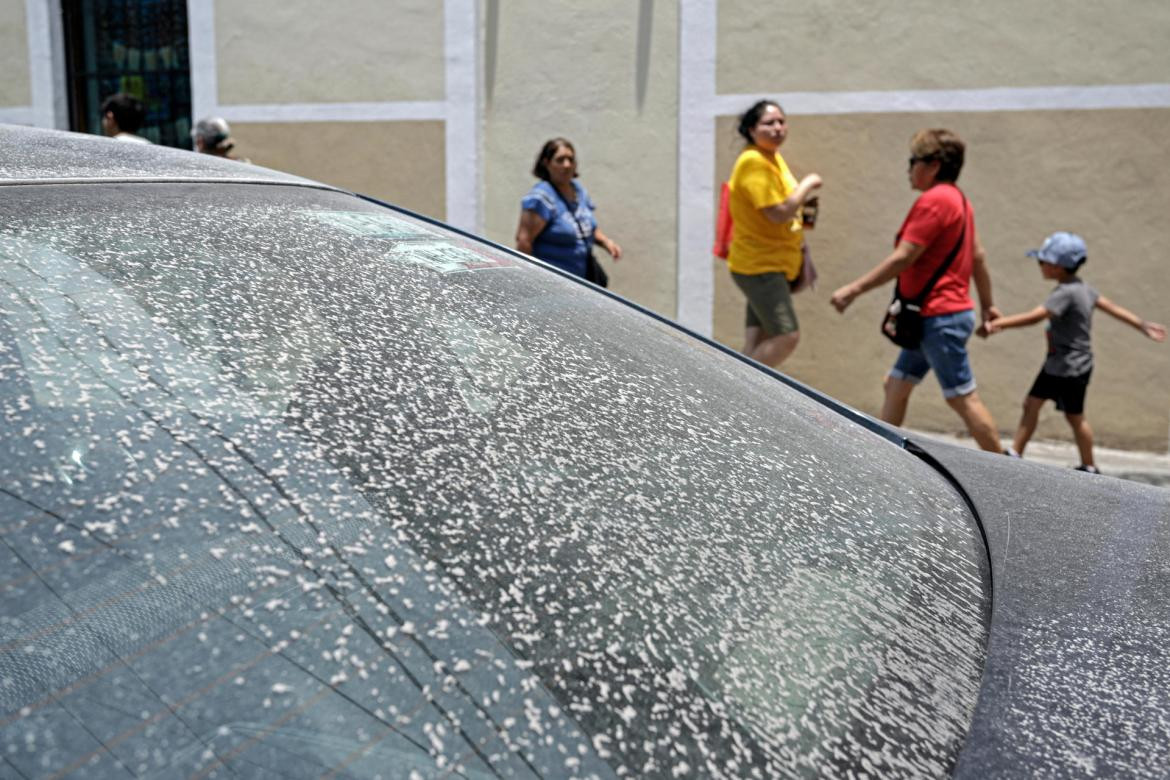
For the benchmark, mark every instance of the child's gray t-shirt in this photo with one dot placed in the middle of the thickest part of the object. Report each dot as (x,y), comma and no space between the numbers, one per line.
(1070,309)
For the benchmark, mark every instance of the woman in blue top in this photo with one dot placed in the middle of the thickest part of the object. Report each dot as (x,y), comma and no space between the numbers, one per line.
(556,218)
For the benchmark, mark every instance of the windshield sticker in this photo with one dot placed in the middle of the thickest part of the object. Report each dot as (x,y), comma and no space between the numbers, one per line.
(419,244)
(369,225)
(448,258)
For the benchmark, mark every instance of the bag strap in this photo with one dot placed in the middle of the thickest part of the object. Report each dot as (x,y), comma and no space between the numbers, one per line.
(573,212)
(942,269)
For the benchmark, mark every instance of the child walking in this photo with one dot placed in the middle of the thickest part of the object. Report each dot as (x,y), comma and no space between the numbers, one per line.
(1069,312)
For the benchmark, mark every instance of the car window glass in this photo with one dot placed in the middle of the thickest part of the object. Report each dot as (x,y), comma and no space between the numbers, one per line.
(704,570)
(145,542)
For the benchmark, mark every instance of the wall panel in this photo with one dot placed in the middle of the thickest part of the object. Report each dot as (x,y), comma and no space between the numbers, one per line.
(400,162)
(924,44)
(15,88)
(299,51)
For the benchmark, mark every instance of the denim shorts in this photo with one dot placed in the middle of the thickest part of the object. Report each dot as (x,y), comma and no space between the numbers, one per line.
(943,348)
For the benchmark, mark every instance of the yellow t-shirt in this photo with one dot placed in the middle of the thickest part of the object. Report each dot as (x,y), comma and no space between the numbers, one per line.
(761,179)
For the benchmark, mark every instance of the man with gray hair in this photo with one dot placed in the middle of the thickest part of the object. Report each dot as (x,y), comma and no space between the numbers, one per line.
(213,136)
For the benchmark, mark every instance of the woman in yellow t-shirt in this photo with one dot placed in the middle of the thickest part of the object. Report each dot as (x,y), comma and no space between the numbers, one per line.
(765,255)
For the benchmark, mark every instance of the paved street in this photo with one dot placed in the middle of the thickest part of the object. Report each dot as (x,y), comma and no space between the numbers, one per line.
(1149,467)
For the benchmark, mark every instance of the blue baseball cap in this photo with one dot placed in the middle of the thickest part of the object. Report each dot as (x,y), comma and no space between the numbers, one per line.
(1062,248)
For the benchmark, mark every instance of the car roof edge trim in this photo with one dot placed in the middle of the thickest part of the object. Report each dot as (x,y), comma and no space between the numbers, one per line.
(167,180)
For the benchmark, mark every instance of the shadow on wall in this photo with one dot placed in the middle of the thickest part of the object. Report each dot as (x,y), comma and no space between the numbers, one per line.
(641,58)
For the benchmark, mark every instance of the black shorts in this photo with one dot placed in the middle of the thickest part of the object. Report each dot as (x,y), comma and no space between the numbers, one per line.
(1067,391)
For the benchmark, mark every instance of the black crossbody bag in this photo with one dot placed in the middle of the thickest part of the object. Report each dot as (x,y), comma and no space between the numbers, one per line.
(593,270)
(903,321)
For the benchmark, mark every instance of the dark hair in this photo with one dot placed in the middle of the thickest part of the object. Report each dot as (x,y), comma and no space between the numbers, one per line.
(540,170)
(751,117)
(940,144)
(128,111)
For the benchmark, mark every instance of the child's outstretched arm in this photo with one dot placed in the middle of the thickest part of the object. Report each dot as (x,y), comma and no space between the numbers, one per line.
(1152,329)
(1039,314)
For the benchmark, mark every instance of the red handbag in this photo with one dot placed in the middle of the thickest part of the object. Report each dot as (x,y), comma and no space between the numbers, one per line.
(723,224)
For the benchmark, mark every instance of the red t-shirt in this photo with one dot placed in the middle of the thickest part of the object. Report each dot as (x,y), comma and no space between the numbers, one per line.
(935,221)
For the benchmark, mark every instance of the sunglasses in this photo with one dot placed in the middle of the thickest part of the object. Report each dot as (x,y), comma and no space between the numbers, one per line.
(923,159)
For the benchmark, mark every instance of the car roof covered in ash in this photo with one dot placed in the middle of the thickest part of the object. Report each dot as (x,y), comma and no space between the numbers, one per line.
(31,155)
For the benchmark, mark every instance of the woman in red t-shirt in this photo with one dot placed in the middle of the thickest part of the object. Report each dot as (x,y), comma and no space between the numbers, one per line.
(939,220)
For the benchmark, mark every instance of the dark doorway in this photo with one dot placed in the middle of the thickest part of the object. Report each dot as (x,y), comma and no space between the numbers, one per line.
(133,46)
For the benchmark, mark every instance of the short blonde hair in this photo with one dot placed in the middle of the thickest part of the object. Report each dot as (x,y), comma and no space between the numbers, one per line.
(940,144)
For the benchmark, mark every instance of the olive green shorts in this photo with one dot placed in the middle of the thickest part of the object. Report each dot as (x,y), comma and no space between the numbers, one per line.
(769,302)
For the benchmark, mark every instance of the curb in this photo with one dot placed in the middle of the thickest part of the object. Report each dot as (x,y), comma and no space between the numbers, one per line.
(1151,468)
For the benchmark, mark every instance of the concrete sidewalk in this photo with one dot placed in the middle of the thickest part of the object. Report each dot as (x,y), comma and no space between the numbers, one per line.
(1149,467)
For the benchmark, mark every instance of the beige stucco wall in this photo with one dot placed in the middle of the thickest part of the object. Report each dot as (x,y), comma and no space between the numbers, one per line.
(15,88)
(603,74)
(925,44)
(307,51)
(401,162)
(1104,174)
(294,51)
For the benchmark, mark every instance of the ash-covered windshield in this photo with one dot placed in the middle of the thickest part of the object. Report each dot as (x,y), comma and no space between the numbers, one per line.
(299,483)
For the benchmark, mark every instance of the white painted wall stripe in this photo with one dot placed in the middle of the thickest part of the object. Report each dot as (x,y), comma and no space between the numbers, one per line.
(46,64)
(19,115)
(464,173)
(696,163)
(332,112)
(201,45)
(1087,98)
